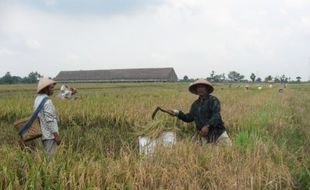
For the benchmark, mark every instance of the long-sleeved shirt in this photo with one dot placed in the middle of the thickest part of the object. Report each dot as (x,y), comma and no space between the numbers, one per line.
(205,111)
(47,116)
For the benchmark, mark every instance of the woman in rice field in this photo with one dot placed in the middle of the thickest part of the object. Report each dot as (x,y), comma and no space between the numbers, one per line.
(47,116)
(205,111)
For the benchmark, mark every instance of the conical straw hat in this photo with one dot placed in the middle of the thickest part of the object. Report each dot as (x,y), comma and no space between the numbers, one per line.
(44,82)
(193,86)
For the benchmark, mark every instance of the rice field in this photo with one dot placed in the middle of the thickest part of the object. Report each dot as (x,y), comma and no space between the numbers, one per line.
(99,150)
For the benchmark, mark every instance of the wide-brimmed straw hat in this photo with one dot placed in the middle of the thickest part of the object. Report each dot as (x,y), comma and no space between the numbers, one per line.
(44,82)
(193,86)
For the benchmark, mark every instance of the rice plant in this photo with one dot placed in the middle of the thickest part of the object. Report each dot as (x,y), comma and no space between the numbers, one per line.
(270,133)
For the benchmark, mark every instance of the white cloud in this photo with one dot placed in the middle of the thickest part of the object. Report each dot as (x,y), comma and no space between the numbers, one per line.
(72,57)
(50,2)
(305,21)
(181,4)
(299,4)
(5,52)
(33,44)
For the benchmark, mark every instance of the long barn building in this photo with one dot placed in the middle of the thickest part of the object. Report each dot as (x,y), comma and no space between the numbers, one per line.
(119,75)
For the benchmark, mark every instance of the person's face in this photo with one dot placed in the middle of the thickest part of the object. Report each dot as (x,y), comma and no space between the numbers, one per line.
(202,90)
(51,89)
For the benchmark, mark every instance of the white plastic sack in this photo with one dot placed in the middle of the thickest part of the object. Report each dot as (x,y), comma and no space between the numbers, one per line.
(167,138)
(148,145)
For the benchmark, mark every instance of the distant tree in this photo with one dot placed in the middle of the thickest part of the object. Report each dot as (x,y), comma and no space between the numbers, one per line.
(212,74)
(298,79)
(235,76)
(211,77)
(252,77)
(7,78)
(277,79)
(216,78)
(245,81)
(223,77)
(219,78)
(16,79)
(32,77)
(258,80)
(185,78)
(283,79)
(269,78)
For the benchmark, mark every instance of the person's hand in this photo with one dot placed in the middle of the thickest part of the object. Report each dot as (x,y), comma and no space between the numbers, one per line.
(57,138)
(173,112)
(204,131)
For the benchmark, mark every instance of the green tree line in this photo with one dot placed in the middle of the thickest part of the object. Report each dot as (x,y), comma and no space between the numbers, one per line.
(234,76)
(32,77)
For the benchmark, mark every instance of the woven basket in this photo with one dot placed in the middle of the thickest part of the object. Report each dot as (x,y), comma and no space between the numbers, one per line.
(33,132)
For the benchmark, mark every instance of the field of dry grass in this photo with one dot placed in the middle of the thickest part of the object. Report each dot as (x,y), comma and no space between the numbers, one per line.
(270,134)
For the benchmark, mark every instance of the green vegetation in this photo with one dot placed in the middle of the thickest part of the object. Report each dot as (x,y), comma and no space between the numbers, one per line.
(270,133)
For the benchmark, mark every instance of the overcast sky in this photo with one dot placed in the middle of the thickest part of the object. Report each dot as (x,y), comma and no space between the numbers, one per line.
(192,36)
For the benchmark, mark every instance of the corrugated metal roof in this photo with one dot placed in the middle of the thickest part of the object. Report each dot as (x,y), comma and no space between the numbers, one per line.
(144,74)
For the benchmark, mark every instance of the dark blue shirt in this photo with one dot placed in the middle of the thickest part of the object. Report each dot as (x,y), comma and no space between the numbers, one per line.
(205,111)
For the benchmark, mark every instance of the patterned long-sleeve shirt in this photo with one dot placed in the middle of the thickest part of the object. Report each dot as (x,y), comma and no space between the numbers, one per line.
(205,111)
(47,116)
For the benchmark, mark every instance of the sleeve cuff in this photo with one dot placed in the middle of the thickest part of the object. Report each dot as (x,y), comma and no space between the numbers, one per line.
(208,126)
(176,112)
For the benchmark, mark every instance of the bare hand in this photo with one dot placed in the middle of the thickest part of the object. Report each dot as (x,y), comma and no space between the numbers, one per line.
(204,131)
(171,112)
(57,139)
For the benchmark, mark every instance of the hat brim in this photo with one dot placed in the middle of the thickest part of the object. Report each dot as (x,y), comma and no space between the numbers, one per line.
(193,88)
(46,85)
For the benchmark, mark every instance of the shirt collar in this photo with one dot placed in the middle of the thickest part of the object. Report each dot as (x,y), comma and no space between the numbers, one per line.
(43,95)
(203,98)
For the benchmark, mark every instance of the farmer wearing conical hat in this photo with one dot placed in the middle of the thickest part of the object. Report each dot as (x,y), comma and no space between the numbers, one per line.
(205,111)
(47,116)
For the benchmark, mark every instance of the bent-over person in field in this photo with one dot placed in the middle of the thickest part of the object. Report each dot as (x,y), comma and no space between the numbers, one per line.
(47,116)
(205,111)
(67,93)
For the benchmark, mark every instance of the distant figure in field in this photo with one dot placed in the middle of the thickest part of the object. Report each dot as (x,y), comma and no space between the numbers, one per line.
(282,86)
(66,92)
(247,87)
(47,116)
(269,83)
(205,111)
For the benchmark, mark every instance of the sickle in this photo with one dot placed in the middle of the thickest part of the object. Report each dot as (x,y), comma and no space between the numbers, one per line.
(161,109)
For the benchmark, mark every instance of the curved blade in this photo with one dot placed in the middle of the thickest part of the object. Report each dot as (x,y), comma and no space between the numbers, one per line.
(163,110)
(155,112)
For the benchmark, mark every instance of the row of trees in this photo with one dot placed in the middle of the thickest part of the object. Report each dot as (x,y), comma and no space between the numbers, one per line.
(234,76)
(278,79)
(32,77)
